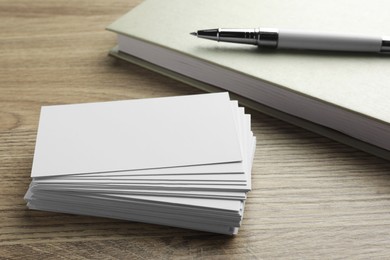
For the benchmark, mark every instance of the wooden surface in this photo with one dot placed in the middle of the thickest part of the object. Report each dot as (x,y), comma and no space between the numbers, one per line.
(312,198)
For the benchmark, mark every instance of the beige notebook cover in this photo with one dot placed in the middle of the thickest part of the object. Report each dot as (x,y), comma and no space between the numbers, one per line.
(345,92)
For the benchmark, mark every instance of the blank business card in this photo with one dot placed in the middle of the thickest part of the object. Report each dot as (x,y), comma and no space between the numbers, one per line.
(136,134)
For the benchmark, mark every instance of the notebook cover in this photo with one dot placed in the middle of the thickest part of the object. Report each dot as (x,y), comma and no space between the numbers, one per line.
(356,83)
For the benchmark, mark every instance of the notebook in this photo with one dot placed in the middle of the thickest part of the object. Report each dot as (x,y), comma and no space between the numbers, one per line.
(343,96)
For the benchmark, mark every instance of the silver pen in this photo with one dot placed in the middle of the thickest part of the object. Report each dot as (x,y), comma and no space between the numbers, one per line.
(295,39)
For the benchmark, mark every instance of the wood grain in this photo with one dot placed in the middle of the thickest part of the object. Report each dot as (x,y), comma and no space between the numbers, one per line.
(312,198)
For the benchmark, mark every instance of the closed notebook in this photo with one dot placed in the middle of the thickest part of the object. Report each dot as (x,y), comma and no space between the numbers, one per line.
(341,95)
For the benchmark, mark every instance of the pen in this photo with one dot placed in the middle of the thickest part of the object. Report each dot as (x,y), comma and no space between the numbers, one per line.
(294,39)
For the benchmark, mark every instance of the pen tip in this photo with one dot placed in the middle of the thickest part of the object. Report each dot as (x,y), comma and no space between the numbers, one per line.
(194,33)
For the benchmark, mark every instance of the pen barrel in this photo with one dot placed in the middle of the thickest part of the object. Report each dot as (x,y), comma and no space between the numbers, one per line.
(292,39)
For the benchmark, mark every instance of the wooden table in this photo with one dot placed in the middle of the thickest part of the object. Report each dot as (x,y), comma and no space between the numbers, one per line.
(312,197)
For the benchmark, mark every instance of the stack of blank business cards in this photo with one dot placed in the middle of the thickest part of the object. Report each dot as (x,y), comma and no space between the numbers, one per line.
(178,161)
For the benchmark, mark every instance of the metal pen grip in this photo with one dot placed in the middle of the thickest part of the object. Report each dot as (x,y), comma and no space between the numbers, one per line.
(263,37)
(244,36)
